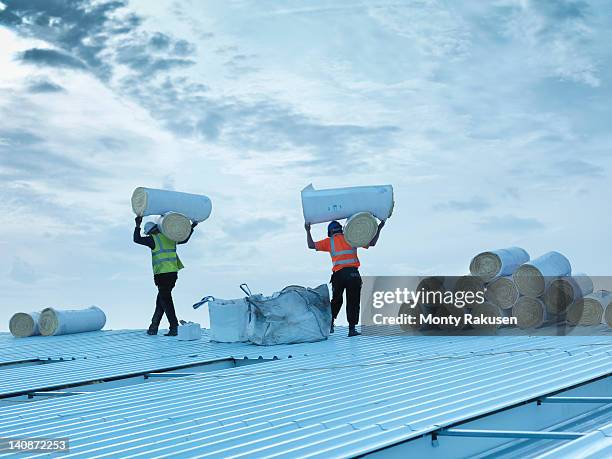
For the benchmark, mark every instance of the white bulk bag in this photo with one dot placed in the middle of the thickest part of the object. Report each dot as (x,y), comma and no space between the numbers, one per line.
(533,277)
(189,331)
(335,204)
(24,324)
(64,322)
(293,315)
(498,263)
(150,201)
(228,319)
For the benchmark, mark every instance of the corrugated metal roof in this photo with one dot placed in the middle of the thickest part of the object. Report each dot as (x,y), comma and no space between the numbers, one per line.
(348,397)
(596,445)
(105,355)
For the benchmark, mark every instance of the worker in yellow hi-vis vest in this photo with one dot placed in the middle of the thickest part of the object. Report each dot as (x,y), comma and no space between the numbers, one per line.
(166,265)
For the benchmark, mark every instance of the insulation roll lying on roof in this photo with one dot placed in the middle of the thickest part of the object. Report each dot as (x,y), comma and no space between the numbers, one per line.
(150,201)
(360,229)
(486,310)
(174,226)
(588,311)
(24,324)
(533,277)
(565,290)
(502,292)
(607,318)
(65,322)
(469,284)
(418,313)
(529,312)
(432,289)
(445,311)
(335,204)
(495,263)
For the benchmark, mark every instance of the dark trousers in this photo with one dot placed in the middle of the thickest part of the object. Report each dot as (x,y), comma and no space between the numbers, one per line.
(165,283)
(346,279)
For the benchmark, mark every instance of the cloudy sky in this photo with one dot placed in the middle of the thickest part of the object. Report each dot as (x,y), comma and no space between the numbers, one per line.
(490,119)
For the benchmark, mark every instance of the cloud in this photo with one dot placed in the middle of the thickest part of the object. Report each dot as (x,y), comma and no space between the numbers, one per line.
(80,28)
(578,168)
(83,30)
(254,229)
(264,125)
(51,58)
(555,35)
(562,9)
(27,156)
(474,204)
(159,41)
(23,272)
(509,223)
(44,86)
(559,169)
(136,57)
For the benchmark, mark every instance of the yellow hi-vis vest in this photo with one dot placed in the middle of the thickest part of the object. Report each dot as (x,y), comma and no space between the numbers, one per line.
(164,257)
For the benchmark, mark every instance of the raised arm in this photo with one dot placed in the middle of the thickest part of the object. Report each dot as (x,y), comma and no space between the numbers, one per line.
(375,239)
(142,240)
(193,225)
(309,240)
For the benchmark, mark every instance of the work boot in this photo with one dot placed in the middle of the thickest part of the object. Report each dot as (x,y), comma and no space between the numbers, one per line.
(331,329)
(152,331)
(171,332)
(353,332)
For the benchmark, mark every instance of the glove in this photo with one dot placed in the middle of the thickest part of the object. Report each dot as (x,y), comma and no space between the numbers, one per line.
(138,220)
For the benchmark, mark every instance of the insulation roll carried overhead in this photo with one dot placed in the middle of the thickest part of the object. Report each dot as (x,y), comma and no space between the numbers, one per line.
(589,311)
(150,201)
(533,277)
(24,324)
(502,292)
(65,322)
(335,204)
(174,226)
(565,290)
(529,312)
(496,263)
(360,229)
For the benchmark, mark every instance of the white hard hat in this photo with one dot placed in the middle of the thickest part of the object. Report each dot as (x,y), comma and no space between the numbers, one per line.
(149,226)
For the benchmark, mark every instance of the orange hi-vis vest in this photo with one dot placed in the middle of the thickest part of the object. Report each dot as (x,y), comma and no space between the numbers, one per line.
(343,255)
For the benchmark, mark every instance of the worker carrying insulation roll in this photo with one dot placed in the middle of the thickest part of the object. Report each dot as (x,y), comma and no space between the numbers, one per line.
(345,272)
(166,265)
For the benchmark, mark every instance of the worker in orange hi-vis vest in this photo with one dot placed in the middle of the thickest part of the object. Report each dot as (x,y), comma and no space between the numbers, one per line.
(345,272)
